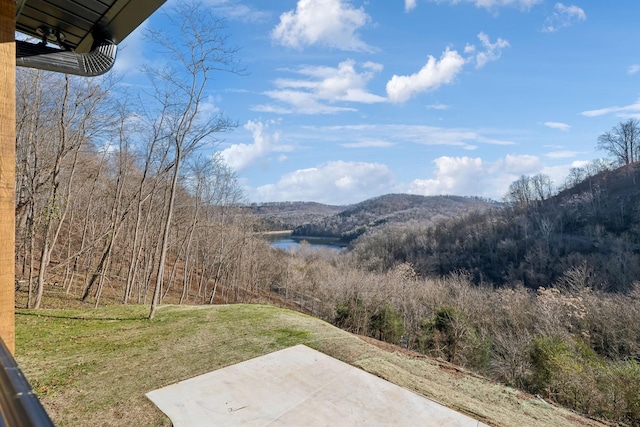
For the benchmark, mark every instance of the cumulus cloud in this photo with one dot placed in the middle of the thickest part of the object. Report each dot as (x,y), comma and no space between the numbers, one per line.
(336,182)
(453,175)
(563,16)
(433,75)
(343,182)
(559,173)
(321,87)
(517,165)
(329,23)
(409,5)
(240,156)
(438,72)
(627,111)
(472,176)
(557,125)
(491,52)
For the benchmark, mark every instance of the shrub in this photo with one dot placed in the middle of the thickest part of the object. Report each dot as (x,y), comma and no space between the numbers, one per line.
(386,324)
(627,383)
(569,372)
(351,315)
(451,336)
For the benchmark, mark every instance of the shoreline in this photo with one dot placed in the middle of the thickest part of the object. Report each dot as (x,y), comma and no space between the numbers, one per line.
(274,233)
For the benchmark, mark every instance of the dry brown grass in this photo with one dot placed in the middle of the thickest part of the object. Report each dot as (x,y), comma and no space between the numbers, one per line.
(93,367)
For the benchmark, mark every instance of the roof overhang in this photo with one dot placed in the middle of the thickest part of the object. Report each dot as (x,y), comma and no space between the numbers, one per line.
(79,28)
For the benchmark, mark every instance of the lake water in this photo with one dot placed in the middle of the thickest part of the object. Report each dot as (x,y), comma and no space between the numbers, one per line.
(289,243)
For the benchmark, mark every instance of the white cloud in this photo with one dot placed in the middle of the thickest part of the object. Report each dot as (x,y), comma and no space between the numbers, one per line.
(299,103)
(369,143)
(453,175)
(494,4)
(508,169)
(240,156)
(633,69)
(443,71)
(473,176)
(408,134)
(343,182)
(557,125)
(236,10)
(518,164)
(492,51)
(628,111)
(502,172)
(322,86)
(558,174)
(409,5)
(563,16)
(434,74)
(437,107)
(329,23)
(336,182)
(562,154)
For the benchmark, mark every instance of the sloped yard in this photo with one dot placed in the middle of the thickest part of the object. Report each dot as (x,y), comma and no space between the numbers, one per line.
(93,367)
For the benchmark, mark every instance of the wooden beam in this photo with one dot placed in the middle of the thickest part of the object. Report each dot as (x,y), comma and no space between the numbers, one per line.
(7,171)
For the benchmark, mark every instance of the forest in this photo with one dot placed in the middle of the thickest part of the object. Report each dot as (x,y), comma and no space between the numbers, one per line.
(122,201)
(532,239)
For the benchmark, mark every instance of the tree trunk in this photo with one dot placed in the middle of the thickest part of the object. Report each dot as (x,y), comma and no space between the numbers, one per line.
(157,291)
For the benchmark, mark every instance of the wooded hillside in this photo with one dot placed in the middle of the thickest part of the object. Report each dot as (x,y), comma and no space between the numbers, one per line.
(120,194)
(530,241)
(356,220)
(275,216)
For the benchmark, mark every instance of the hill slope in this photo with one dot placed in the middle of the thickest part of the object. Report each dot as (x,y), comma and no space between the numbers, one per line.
(391,208)
(593,225)
(289,215)
(93,367)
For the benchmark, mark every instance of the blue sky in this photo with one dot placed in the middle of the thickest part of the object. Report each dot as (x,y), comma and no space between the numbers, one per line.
(347,99)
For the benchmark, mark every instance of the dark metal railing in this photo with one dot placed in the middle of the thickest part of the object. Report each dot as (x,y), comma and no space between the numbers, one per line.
(19,405)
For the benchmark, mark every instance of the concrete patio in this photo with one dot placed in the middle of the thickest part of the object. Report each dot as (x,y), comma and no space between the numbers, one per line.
(298,386)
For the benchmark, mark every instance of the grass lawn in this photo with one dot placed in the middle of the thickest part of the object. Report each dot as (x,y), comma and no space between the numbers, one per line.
(92,367)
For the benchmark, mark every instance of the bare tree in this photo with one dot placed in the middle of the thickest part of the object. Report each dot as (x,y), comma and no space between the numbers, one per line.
(60,115)
(122,162)
(622,142)
(542,187)
(180,88)
(520,193)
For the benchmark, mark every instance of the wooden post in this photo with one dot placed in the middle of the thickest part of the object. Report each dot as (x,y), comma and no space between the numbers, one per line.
(7,171)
